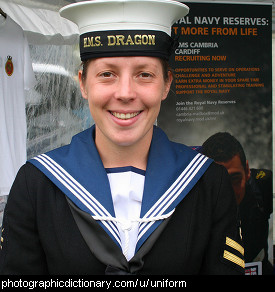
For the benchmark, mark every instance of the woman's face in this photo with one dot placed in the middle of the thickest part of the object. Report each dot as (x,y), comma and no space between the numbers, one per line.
(124,95)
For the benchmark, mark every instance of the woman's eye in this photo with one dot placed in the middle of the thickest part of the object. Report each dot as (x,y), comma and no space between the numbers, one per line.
(145,75)
(106,74)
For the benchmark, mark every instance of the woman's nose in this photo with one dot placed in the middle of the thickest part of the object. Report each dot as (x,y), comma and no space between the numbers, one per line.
(125,90)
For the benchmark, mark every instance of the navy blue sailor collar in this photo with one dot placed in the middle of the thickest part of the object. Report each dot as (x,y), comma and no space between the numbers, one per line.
(77,170)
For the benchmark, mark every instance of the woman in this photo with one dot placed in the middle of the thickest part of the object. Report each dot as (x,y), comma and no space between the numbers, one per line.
(122,198)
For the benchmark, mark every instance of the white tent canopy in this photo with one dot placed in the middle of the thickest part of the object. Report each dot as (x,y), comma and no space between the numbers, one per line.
(41,25)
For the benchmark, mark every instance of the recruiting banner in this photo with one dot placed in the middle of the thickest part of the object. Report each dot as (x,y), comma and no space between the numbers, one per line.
(223,77)
(223,83)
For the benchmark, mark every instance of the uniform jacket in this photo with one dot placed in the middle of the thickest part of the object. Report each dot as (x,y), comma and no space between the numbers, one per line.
(47,231)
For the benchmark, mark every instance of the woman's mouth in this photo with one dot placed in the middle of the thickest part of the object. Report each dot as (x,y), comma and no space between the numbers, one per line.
(123,116)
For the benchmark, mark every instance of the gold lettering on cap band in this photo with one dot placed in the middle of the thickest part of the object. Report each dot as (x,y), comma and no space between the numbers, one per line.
(126,43)
(92,42)
(121,40)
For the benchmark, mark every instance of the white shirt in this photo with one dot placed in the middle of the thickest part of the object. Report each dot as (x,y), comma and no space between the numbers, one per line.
(16,76)
(127,184)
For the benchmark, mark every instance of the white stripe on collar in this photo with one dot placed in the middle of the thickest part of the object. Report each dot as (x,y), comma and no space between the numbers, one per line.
(79,192)
(173,192)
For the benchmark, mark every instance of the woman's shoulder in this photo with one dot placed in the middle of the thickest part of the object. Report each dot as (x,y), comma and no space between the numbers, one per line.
(30,177)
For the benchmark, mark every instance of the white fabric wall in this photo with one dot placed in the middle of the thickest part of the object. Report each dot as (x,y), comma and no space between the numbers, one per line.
(54,106)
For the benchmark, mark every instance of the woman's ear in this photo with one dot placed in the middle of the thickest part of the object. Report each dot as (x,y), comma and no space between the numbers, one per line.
(168,85)
(82,85)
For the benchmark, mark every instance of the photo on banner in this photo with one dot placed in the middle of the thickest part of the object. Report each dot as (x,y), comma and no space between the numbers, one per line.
(223,84)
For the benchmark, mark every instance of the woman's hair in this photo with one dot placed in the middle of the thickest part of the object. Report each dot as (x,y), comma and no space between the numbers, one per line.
(165,67)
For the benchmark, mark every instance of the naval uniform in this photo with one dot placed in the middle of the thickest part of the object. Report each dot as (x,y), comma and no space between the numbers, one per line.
(60,217)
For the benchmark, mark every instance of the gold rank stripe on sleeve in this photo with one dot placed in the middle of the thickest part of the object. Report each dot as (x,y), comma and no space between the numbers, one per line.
(233,258)
(233,244)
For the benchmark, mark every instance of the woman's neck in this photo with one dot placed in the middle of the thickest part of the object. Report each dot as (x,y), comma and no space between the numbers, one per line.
(113,155)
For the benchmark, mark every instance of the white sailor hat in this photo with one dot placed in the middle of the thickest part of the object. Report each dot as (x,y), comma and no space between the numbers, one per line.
(110,28)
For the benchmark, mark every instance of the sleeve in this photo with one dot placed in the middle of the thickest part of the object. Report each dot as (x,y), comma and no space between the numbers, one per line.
(21,252)
(225,252)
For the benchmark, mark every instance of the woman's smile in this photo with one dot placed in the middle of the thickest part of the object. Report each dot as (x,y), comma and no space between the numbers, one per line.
(125,116)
